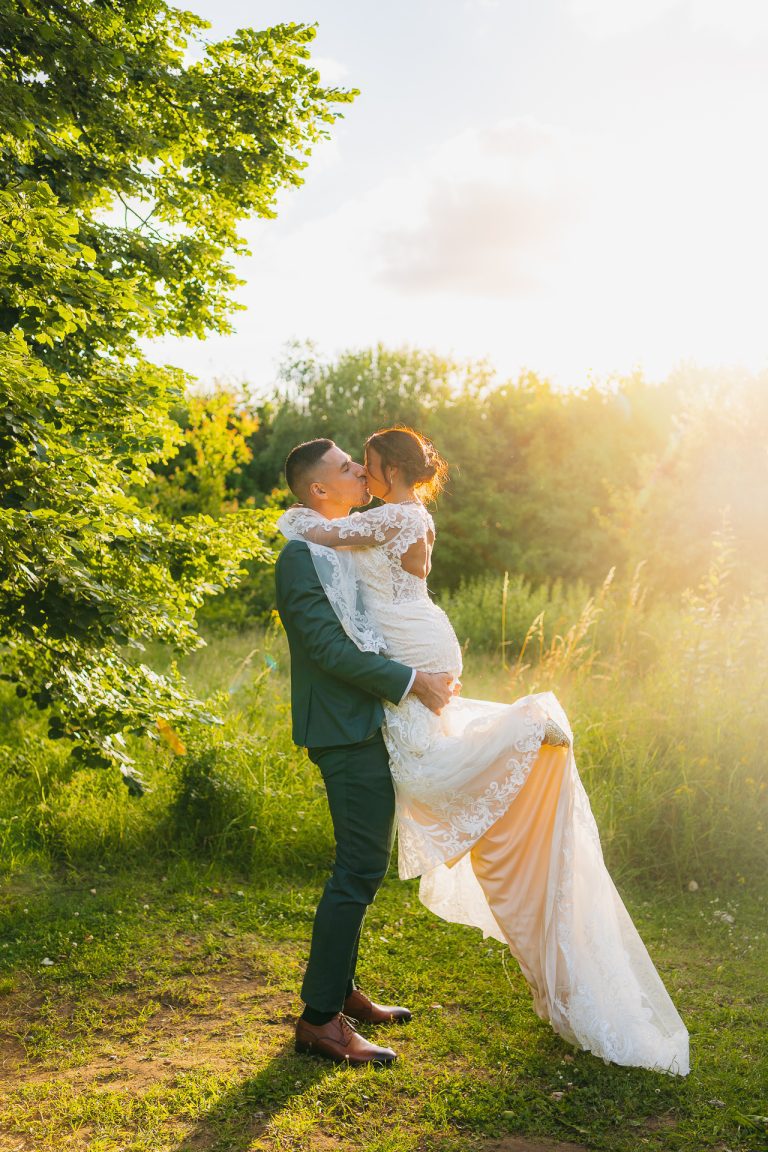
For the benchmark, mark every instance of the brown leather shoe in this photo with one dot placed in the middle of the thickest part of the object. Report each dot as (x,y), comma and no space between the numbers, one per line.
(360,1007)
(337,1040)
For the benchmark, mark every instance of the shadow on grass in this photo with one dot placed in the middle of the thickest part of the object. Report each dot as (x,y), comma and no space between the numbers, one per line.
(244,1113)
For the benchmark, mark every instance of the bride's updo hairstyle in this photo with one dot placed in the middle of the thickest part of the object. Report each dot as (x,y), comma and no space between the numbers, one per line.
(419,463)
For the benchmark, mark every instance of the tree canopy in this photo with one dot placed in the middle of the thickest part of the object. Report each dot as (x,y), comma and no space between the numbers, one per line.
(130,149)
(545,483)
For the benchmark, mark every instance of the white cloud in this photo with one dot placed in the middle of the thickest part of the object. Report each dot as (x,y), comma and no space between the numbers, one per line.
(494,213)
(478,239)
(742,20)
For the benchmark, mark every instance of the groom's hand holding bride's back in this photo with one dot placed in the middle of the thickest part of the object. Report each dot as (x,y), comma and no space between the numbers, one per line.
(434,689)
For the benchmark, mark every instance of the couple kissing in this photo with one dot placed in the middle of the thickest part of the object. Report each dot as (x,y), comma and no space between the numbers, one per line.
(485,797)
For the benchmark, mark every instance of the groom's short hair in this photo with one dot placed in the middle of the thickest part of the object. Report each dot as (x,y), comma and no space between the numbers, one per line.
(301,463)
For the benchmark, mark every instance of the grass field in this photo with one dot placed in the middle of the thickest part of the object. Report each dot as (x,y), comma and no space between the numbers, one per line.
(163,1022)
(151,951)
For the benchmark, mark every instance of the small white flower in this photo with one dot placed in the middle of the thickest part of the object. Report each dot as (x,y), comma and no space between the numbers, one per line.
(47,962)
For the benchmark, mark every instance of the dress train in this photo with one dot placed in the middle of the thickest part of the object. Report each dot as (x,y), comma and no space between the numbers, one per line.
(536,881)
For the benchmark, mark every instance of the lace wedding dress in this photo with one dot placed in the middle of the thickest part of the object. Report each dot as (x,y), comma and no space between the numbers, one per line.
(496,822)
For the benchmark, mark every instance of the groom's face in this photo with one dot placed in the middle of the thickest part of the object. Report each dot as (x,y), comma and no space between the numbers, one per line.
(340,483)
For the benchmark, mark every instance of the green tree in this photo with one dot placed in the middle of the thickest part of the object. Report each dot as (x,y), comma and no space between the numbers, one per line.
(203,476)
(545,483)
(707,468)
(125,168)
(346,400)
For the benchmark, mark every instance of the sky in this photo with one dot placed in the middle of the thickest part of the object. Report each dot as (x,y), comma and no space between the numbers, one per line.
(573,187)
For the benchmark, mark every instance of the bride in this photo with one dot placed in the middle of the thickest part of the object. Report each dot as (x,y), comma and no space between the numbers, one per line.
(491,811)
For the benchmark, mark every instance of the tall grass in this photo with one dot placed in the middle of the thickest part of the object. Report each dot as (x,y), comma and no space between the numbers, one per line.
(241,791)
(493,615)
(667,702)
(668,706)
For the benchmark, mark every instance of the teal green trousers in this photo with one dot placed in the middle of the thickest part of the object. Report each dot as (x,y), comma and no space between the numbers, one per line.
(362,803)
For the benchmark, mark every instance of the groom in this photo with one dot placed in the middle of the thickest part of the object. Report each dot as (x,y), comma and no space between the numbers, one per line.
(336,693)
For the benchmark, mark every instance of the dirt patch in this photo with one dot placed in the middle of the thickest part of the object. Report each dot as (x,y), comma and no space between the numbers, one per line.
(240,1022)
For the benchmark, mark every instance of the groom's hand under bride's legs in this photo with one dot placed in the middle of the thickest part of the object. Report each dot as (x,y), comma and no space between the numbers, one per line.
(434,689)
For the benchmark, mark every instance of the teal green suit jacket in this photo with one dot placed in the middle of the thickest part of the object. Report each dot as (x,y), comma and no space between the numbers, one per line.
(336,690)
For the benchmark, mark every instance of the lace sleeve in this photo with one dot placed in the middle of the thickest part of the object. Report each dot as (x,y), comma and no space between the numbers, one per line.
(397,525)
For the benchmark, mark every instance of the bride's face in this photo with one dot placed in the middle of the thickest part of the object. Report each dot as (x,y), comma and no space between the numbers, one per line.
(377,481)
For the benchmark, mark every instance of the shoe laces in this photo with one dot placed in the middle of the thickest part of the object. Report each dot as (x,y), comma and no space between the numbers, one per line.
(346,1027)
